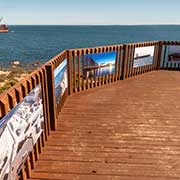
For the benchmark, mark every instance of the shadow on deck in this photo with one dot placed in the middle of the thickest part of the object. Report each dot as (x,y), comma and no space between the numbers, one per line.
(127,130)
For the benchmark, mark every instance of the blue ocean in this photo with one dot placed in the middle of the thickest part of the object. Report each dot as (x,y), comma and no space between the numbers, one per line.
(30,44)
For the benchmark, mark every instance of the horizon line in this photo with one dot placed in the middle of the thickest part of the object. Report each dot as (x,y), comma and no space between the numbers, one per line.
(93,24)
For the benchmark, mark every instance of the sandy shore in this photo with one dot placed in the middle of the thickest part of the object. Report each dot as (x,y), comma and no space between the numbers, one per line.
(9,78)
(17,71)
(3,73)
(22,76)
(6,73)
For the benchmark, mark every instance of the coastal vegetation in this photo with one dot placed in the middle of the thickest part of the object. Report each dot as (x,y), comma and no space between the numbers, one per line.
(14,72)
(9,77)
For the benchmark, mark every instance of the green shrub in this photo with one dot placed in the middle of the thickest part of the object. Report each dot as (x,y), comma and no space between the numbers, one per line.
(3,77)
(15,73)
(8,84)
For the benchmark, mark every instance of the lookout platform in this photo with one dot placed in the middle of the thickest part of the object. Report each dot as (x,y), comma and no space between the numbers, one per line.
(126,130)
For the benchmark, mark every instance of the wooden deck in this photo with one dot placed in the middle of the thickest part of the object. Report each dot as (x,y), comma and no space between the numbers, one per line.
(126,130)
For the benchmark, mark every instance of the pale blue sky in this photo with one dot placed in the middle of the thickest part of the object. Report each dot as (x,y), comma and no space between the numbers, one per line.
(82,12)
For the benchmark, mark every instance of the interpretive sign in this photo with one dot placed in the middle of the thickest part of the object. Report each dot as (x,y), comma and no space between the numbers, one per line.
(19,131)
(174,53)
(99,64)
(143,56)
(60,80)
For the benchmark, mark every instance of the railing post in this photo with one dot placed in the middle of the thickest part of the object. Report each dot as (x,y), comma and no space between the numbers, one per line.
(124,62)
(159,55)
(45,103)
(51,96)
(3,110)
(69,60)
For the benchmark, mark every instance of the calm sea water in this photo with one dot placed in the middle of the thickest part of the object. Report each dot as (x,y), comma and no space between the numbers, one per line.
(39,43)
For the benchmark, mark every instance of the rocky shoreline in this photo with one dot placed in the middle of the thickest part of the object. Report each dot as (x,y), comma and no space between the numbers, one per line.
(15,72)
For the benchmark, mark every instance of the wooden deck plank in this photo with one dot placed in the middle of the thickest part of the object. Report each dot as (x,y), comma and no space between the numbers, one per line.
(128,130)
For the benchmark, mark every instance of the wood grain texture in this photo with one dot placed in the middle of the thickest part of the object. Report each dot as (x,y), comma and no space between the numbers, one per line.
(128,130)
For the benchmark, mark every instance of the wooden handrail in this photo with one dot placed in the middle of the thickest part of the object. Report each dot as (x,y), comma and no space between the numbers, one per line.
(77,82)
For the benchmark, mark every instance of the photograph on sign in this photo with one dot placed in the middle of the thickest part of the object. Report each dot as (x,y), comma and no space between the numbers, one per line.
(143,56)
(99,64)
(60,80)
(6,150)
(174,53)
(25,124)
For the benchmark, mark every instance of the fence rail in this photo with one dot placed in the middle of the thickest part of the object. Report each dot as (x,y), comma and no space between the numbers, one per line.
(77,70)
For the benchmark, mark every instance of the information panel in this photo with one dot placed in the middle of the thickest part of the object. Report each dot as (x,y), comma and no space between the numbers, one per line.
(99,64)
(174,53)
(143,56)
(19,131)
(60,80)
